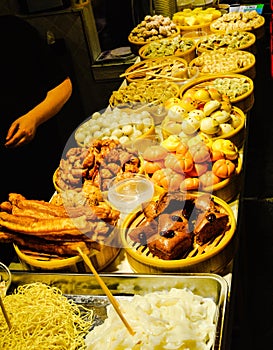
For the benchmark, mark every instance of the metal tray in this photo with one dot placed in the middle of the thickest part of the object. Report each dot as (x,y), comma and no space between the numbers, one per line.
(84,289)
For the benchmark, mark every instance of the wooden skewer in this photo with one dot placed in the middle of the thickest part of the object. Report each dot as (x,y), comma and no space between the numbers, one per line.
(166,76)
(5,313)
(144,70)
(108,293)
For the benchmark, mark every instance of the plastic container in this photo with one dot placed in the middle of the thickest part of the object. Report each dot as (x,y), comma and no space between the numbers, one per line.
(5,279)
(128,194)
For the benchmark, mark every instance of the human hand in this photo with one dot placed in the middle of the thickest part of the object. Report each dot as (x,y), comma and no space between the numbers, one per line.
(21,132)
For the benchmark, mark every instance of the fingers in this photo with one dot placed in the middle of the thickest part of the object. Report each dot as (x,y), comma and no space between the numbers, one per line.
(13,130)
(18,139)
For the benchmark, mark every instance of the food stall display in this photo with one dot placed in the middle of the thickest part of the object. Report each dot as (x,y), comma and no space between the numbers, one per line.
(180,241)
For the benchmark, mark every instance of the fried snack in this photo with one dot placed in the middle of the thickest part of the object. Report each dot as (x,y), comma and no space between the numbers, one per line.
(56,229)
(104,160)
(30,225)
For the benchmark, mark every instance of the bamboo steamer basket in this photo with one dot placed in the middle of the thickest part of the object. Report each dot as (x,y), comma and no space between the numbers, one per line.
(136,45)
(212,257)
(257,30)
(136,94)
(237,136)
(188,54)
(249,70)
(34,261)
(140,71)
(244,102)
(249,46)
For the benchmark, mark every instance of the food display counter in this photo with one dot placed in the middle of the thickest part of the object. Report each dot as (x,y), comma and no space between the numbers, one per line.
(214,275)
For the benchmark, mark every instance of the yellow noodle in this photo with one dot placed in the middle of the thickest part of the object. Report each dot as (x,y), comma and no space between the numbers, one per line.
(43,318)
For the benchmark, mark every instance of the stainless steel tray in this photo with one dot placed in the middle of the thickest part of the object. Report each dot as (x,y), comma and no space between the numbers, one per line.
(84,289)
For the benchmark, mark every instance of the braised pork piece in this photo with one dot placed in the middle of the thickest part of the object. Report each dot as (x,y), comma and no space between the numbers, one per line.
(177,222)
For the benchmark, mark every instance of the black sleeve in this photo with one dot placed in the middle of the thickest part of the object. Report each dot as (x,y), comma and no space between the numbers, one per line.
(32,54)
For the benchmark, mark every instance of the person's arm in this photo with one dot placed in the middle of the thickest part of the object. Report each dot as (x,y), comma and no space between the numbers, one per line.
(23,129)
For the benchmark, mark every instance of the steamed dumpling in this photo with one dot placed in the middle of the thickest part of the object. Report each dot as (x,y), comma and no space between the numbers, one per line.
(209,126)
(211,106)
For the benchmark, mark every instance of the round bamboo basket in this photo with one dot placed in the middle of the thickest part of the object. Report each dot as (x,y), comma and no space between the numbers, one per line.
(244,101)
(136,94)
(247,46)
(212,257)
(35,261)
(136,45)
(184,48)
(249,70)
(257,30)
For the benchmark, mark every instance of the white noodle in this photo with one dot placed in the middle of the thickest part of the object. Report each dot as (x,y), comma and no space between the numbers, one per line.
(177,319)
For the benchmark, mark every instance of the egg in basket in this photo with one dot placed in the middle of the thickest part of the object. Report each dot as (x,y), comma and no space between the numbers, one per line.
(120,124)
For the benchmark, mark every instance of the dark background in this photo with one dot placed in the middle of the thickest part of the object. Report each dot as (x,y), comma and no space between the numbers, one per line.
(252,287)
